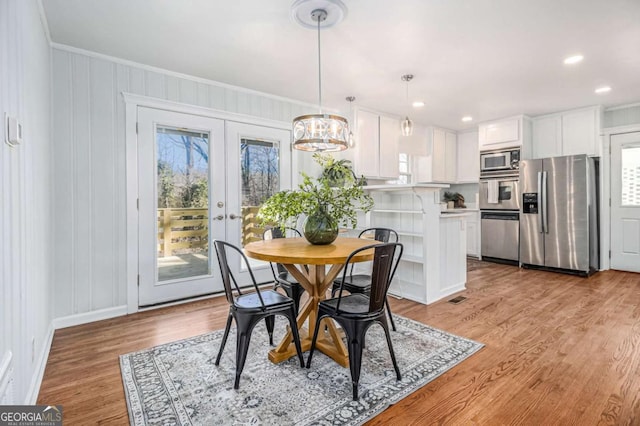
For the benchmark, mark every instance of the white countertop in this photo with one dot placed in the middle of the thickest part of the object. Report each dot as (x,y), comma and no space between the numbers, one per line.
(401,186)
(456,214)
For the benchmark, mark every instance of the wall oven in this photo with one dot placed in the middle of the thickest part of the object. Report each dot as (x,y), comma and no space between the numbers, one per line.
(499,202)
(499,193)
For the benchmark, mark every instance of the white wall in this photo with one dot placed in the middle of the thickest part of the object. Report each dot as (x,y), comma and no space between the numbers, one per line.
(25,173)
(89,172)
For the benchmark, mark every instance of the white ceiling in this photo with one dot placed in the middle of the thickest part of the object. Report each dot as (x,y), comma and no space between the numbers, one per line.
(484,58)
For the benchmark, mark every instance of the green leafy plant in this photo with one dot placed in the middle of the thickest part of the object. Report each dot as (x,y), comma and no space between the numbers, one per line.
(341,203)
(337,172)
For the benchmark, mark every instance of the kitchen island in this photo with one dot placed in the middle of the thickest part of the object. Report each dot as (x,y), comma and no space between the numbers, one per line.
(434,261)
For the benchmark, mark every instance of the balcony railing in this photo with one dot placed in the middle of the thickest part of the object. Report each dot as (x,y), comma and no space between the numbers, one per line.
(186,230)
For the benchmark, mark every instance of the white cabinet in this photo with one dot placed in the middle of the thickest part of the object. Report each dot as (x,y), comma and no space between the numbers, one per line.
(433,264)
(580,131)
(473,234)
(468,158)
(504,133)
(443,158)
(566,133)
(547,136)
(376,145)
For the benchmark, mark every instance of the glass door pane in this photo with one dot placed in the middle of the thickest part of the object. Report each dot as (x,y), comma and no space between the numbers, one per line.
(182,203)
(630,172)
(260,179)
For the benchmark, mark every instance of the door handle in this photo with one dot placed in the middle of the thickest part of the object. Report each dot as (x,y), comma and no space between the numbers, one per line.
(545,218)
(219,217)
(540,203)
(233,216)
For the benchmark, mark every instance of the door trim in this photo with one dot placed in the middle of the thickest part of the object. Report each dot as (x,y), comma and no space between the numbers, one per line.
(132,102)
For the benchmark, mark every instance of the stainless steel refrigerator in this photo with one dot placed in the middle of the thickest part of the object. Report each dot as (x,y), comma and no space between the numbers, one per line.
(559,214)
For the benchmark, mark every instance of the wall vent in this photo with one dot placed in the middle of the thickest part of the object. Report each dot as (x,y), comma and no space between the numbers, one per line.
(6,379)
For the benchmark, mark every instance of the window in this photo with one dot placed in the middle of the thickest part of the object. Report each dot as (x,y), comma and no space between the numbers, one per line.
(403,167)
(630,156)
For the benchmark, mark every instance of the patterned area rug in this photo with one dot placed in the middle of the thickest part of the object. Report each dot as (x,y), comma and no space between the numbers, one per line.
(178,383)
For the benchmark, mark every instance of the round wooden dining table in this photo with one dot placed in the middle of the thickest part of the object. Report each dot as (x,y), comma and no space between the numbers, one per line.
(308,264)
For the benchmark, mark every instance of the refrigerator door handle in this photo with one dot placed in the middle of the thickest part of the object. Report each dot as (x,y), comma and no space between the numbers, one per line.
(541,195)
(545,216)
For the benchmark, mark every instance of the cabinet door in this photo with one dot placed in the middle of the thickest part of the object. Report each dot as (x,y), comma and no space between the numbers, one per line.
(499,134)
(389,141)
(472,238)
(451,152)
(468,160)
(368,142)
(579,132)
(547,137)
(439,155)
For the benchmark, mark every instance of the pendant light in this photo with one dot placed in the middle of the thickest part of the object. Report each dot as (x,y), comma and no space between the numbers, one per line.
(351,138)
(319,132)
(407,125)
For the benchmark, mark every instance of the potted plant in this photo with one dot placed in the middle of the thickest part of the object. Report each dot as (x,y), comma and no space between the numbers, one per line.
(454,200)
(325,207)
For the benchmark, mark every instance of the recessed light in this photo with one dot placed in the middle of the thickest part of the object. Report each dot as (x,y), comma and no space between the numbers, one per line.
(603,89)
(418,104)
(467,118)
(573,59)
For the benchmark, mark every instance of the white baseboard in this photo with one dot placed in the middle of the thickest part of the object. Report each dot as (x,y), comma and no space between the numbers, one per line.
(87,317)
(38,374)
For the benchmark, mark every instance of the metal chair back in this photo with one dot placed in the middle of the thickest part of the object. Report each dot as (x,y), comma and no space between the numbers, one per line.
(228,279)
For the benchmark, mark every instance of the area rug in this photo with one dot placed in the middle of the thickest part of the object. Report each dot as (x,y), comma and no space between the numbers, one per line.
(178,383)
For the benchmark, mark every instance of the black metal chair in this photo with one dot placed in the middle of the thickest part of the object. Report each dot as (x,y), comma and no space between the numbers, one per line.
(357,312)
(361,283)
(249,308)
(282,277)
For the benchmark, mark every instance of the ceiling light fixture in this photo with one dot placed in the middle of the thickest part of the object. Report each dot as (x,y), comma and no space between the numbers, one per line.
(351,139)
(418,104)
(319,132)
(467,118)
(603,89)
(407,125)
(573,59)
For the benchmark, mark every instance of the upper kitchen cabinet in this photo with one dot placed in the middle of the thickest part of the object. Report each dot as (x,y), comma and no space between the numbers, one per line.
(434,154)
(468,170)
(504,133)
(566,133)
(377,137)
(443,156)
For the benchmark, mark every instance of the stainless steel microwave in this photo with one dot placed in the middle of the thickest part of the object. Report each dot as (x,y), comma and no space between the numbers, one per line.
(500,161)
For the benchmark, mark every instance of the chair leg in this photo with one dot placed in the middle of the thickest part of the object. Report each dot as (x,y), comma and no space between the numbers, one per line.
(393,324)
(355,356)
(245,327)
(296,336)
(385,326)
(270,322)
(224,338)
(313,341)
(296,295)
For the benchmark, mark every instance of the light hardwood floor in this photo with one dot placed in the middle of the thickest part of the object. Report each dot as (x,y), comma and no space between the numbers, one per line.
(559,350)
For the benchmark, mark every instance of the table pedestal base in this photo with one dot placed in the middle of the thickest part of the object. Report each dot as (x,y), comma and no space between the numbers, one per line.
(329,342)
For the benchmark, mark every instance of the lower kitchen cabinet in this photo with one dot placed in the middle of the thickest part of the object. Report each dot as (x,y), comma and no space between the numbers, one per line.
(473,234)
(433,265)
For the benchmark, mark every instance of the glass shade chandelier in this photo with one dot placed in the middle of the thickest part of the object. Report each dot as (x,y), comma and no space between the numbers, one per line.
(320,132)
(406,126)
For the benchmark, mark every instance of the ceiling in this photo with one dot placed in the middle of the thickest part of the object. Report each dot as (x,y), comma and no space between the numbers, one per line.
(483,58)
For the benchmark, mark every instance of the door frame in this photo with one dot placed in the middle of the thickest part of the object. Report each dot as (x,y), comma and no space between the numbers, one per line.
(605,184)
(132,102)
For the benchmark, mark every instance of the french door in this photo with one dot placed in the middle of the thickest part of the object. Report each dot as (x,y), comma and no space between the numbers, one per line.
(625,202)
(201,179)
